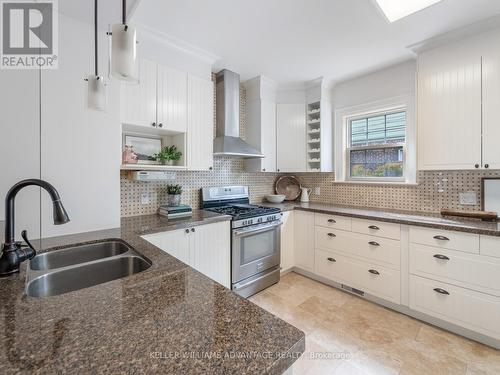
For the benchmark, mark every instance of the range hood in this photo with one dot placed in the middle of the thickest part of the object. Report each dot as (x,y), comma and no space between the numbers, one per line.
(228,141)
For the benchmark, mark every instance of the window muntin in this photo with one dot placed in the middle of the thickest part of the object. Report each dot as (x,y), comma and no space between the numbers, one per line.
(376,146)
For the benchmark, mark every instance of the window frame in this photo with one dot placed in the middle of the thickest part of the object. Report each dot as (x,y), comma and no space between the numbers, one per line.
(350,148)
(405,102)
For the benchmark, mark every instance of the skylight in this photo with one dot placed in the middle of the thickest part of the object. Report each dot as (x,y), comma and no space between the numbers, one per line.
(397,9)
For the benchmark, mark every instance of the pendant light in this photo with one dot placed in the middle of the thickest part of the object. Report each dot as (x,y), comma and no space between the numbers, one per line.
(96,87)
(124,49)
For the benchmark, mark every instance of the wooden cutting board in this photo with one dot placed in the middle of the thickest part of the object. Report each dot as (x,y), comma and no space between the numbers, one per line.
(483,215)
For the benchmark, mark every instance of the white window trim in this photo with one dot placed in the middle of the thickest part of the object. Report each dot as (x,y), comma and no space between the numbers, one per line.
(342,117)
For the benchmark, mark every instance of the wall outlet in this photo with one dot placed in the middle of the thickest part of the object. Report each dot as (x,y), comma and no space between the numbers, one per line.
(145,199)
(468,199)
(317,190)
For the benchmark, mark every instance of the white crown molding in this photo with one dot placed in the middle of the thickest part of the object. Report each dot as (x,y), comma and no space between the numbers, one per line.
(457,34)
(177,44)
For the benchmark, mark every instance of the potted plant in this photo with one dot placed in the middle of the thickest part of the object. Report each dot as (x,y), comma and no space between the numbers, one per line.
(168,155)
(174,194)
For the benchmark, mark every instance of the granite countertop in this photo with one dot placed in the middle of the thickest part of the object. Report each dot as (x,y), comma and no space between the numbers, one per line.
(430,220)
(169,319)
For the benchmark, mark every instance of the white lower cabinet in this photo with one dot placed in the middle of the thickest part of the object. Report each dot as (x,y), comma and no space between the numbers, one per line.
(464,307)
(287,241)
(304,240)
(206,248)
(374,279)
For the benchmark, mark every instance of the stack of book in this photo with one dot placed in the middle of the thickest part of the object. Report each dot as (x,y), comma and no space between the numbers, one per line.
(173,212)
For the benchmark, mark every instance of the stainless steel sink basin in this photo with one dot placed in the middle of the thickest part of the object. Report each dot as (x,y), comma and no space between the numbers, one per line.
(78,267)
(78,254)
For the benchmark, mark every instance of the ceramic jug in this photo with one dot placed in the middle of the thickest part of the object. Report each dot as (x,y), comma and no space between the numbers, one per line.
(304,196)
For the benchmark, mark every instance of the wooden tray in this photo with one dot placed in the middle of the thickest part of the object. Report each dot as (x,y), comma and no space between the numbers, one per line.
(289,186)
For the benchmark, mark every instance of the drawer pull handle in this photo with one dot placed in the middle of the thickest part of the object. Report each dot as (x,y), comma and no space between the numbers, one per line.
(442,257)
(331,221)
(442,238)
(331,235)
(373,243)
(374,227)
(441,291)
(333,260)
(374,272)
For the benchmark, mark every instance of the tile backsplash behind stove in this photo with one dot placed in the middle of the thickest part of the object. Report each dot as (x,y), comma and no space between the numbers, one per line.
(435,189)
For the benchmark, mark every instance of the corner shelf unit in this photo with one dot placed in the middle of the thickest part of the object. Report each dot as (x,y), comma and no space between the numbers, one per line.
(314,137)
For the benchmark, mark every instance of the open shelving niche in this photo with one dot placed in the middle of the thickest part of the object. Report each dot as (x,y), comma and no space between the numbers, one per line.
(168,138)
(314,137)
(319,127)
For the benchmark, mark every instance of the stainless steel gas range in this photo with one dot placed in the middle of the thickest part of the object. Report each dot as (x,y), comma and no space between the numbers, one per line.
(255,238)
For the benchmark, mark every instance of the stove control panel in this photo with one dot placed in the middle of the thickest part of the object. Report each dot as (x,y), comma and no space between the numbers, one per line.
(256,220)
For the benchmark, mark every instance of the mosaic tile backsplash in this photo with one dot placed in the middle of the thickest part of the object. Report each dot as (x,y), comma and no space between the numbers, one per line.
(434,190)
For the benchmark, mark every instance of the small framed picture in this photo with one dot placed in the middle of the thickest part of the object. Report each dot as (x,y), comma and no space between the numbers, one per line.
(143,146)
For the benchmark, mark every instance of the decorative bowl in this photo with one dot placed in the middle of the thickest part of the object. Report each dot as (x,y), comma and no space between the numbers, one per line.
(275,198)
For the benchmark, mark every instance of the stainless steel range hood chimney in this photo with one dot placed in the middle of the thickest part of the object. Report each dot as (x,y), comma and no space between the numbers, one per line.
(228,141)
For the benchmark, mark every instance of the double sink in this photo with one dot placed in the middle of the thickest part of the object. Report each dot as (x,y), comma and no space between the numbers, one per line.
(77,267)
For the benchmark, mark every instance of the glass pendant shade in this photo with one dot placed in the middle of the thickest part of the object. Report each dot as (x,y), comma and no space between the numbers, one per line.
(96,97)
(124,52)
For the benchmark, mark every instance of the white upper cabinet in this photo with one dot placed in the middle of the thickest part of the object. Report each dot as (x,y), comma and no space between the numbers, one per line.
(458,104)
(172,99)
(158,101)
(138,101)
(491,101)
(200,115)
(261,123)
(449,108)
(291,137)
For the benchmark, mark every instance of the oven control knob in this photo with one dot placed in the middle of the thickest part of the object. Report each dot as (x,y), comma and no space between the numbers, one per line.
(259,220)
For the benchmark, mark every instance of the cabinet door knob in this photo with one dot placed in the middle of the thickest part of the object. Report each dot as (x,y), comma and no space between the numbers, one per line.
(192,230)
(153,124)
(331,235)
(331,221)
(441,238)
(187,230)
(333,260)
(374,227)
(210,168)
(160,125)
(278,170)
(486,165)
(441,291)
(374,272)
(373,243)
(441,256)
(263,169)
(476,166)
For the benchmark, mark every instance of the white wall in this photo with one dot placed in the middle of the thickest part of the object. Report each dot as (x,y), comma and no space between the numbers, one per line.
(81,148)
(390,82)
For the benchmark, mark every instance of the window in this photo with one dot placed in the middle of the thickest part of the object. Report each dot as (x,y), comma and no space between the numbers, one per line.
(376,146)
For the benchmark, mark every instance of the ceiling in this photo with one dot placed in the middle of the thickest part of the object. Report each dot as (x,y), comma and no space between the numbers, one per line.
(299,40)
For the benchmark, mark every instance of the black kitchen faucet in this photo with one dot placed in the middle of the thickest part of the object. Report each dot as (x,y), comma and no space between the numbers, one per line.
(13,253)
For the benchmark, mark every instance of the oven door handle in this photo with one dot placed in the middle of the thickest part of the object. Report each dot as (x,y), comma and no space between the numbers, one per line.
(259,229)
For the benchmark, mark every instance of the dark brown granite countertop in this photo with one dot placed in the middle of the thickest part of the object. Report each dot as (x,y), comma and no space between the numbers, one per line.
(169,319)
(430,220)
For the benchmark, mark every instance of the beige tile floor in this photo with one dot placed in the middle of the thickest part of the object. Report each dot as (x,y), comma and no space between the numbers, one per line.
(363,338)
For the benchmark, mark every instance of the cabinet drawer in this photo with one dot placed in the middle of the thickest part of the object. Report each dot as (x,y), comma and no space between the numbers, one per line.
(380,250)
(473,310)
(466,270)
(445,239)
(373,279)
(377,228)
(333,221)
(490,246)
